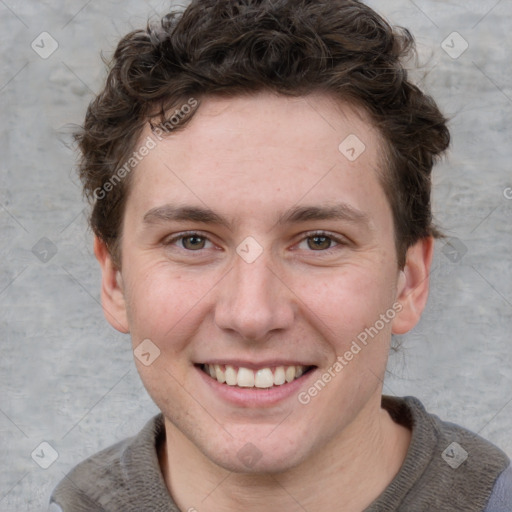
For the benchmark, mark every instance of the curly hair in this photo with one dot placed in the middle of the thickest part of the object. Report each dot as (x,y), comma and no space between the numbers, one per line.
(291,47)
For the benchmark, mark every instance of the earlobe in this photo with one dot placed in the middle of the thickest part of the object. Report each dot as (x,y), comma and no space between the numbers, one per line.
(112,290)
(413,285)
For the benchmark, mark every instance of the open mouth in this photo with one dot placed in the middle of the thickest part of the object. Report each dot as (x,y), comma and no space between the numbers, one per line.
(263,378)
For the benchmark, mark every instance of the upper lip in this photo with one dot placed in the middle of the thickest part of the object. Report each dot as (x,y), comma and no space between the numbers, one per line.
(252,365)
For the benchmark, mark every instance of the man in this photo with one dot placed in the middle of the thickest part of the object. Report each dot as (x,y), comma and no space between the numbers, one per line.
(260,178)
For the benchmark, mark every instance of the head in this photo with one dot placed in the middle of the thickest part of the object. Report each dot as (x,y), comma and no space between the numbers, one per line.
(230,121)
(340,48)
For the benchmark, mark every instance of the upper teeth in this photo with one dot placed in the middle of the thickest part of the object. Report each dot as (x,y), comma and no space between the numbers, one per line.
(247,378)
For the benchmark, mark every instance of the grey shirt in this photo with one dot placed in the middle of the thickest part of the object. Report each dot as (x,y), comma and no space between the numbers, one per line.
(447,468)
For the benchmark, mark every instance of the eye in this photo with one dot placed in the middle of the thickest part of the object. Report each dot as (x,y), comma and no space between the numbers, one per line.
(320,241)
(189,241)
(193,242)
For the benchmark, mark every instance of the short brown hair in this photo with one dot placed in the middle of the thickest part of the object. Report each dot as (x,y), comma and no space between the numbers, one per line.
(291,47)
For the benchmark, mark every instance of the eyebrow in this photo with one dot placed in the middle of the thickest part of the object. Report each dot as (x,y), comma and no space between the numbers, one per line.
(169,212)
(297,214)
(338,211)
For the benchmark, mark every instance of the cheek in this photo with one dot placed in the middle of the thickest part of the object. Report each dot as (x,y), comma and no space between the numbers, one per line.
(345,303)
(165,306)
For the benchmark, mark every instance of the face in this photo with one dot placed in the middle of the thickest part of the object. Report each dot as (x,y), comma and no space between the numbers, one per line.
(254,249)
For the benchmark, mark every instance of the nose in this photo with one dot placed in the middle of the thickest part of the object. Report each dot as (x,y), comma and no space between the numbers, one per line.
(254,301)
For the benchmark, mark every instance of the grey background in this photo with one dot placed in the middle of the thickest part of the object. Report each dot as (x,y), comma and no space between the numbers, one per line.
(67,378)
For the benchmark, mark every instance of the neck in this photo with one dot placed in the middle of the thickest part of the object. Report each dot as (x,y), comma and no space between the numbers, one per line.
(354,469)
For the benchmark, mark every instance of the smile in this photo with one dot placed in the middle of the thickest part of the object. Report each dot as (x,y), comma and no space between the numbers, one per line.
(261,378)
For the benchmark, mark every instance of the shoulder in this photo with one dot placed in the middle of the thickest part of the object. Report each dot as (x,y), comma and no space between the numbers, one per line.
(111,476)
(455,441)
(91,481)
(501,497)
(447,467)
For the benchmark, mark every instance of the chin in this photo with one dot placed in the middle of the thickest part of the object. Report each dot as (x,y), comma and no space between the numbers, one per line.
(258,454)
(253,461)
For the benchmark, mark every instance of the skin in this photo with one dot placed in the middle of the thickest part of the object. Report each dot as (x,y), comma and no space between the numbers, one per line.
(251,159)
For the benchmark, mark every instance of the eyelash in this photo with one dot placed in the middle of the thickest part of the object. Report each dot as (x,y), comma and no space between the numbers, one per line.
(340,241)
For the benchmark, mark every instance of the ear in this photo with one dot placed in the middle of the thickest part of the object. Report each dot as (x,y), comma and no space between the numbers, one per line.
(413,285)
(112,293)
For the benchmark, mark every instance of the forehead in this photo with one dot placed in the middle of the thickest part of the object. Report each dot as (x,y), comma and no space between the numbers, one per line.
(254,152)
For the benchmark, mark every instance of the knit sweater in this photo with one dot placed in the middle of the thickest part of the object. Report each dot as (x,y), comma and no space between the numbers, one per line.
(447,468)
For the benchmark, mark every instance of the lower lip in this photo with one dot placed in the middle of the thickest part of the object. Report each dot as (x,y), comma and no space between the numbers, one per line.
(255,397)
